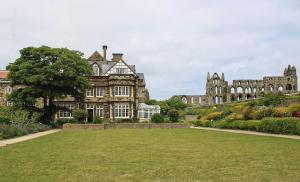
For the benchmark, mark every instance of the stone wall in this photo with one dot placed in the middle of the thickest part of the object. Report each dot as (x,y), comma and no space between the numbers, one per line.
(69,126)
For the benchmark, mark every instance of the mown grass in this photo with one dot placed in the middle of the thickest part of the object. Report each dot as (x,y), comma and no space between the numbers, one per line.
(151,155)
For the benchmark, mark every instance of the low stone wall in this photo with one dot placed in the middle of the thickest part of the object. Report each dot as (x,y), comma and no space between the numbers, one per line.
(69,126)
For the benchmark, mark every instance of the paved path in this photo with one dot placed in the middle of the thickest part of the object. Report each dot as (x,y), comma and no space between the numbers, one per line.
(250,132)
(26,137)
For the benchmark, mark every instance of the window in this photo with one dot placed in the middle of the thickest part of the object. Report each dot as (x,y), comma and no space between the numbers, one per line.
(121,91)
(120,70)
(96,70)
(100,111)
(66,114)
(239,90)
(192,100)
(200,100)
(89,92)
(184,100)
(232,90)
(99,92)
(7,90)
(121,110)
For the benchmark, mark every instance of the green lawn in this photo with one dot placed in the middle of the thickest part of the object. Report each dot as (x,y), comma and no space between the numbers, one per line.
(151,155)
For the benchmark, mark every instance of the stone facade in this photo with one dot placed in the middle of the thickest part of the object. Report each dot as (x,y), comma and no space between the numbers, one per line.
(218,91)
(116,91)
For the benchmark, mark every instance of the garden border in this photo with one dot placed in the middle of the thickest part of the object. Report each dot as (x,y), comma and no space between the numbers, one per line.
(70,126)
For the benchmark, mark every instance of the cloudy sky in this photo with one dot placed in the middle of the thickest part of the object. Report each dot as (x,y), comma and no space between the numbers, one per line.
(174,42)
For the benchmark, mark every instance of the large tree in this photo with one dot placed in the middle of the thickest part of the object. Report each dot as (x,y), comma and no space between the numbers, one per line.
(47,73)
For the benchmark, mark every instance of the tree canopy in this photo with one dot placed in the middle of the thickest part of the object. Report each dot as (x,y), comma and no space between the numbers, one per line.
(47,73)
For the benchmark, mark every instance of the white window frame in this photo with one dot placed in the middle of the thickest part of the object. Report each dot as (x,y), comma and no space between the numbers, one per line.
(89,92)
(66,114)
(7,90)
(99,111)
(121,91)
(96,70)
(121,110)
(99,91)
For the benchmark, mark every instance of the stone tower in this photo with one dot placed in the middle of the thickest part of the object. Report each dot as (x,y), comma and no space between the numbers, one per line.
(216,89)
(290,75)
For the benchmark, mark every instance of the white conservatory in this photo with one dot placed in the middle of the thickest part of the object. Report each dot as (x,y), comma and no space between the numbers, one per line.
(145,111)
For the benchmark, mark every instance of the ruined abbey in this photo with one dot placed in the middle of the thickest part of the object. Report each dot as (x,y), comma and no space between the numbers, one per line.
(219,91)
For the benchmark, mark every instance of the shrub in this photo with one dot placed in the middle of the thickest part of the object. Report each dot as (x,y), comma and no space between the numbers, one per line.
(14,130)
(97,120)
(60,122)
(20,116)
(298,128)
(80,115)
(4,120)
(221,124)
(294,107)
(214,116)
(203,123)
(247,111)
(280,112)
(272,100)
(279,125)
(296,114)
(173,115)
(157,118)
(254,125)
(239,117)
(234,124)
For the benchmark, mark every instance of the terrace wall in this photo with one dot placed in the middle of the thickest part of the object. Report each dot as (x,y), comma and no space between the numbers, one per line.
(69,126)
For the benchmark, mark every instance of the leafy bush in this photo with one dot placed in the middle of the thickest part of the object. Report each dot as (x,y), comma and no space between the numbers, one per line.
(296,114)
(97,120)
(221,124)
(214,116)
(80,115)
(279,125)
(20,116)
(239,117)
(280,112)
(4,120)
(204,123)
(173,115)
(247,113)
(254,125)
(157,118)
(298,128)
(14,130)
(60,122)
(294,107)
(272,100)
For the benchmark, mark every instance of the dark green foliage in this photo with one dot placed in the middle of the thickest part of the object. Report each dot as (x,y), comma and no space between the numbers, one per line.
(60,122)
(80,115)
(279,125)
(298,128)
(157,118)
(151,102)
(176,103)
(97,120)
(47,73)
(15,130)
(173,115)
(272,100)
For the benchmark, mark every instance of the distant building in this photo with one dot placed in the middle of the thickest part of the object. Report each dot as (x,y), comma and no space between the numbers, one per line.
(218,91)
(117,92)
(145,112)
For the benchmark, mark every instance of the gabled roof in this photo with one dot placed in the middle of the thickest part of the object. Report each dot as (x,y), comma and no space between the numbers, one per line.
(130,67)
(96,56)
(3,74)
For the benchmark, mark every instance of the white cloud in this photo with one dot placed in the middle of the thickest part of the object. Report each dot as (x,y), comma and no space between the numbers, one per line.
(175,43)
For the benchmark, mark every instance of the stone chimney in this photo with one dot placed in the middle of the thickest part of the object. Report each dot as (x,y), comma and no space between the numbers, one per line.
(104,48)
(117,57)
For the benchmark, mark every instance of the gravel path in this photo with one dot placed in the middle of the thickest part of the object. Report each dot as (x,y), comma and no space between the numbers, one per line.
(250,133)
(26,137)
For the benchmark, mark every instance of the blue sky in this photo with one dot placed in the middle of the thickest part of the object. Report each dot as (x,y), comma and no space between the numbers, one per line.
(175,43)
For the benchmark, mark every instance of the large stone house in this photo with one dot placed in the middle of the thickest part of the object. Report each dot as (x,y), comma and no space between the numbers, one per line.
(218,91)
(117,91)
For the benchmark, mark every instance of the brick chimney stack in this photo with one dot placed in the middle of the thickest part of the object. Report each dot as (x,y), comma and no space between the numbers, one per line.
(104,47)
(117,57)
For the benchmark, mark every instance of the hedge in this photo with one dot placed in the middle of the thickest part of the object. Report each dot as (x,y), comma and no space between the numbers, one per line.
(288,125)
(14,130)
(279,125)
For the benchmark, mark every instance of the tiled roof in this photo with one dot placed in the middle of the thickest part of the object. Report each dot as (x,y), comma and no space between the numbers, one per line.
(3,74)
(96,56)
